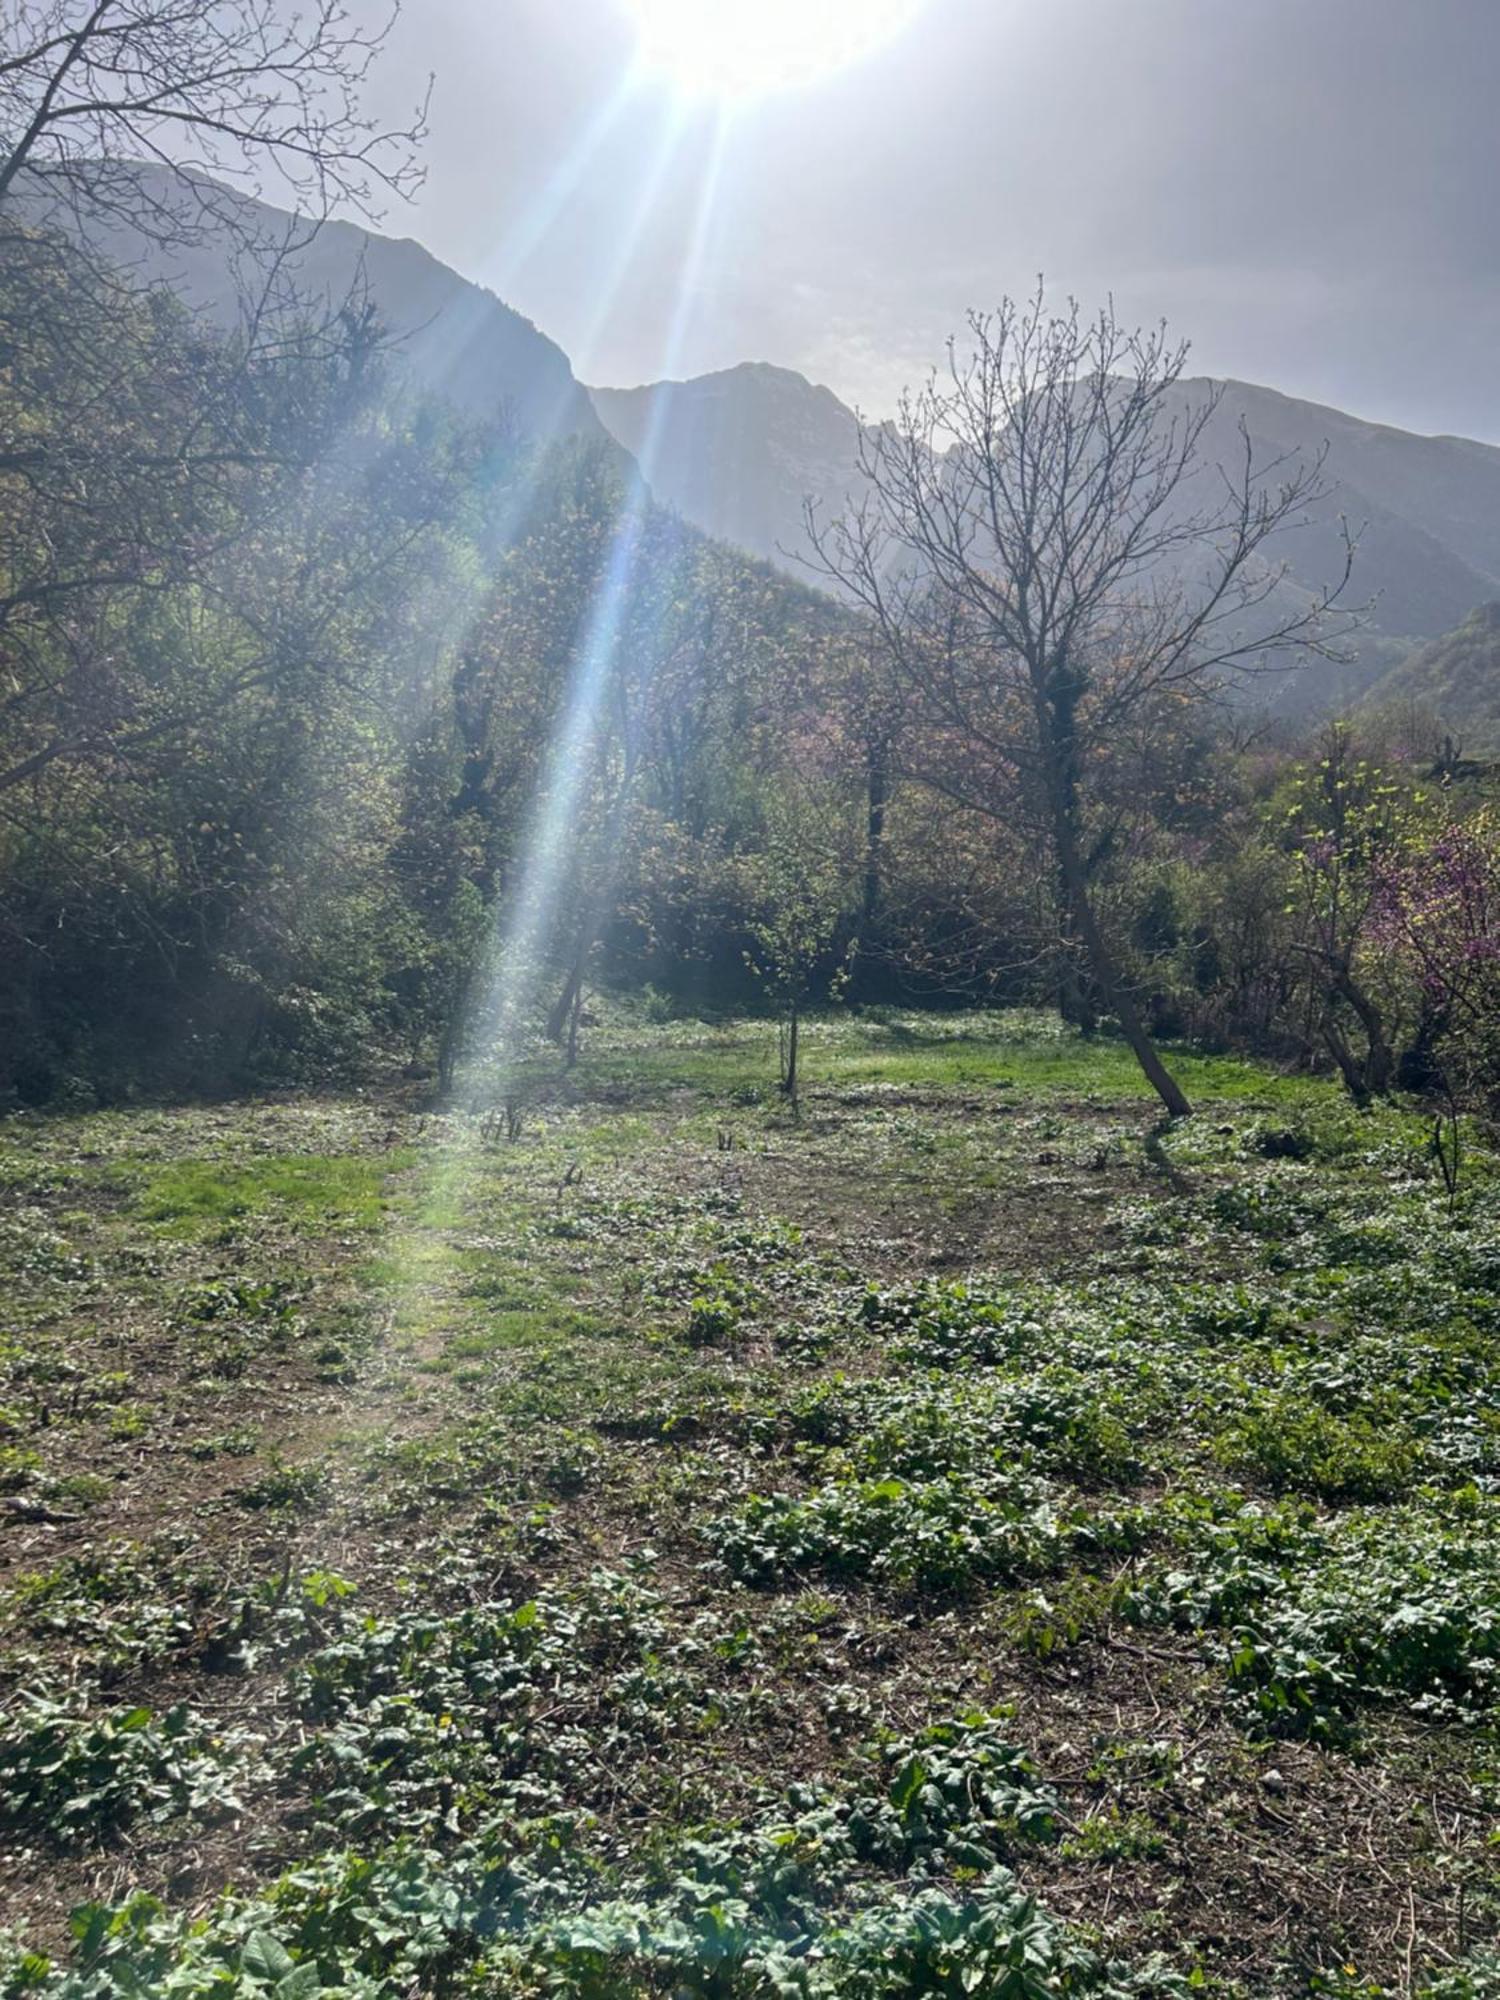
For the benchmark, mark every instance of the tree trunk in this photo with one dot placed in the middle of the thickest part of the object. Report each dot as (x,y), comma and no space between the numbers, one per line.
(575,1019)
(1101,963)
(563,1019)
(1075,1001)
(448,1048)
(561,1012)
(1350,1070)
(789,1067)
(1132,1023)
(877,795)
(455,1028)
(1419,1070)
(1380,1060)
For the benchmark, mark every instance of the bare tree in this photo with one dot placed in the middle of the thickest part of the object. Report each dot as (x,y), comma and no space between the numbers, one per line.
(1051,556)
(232,89)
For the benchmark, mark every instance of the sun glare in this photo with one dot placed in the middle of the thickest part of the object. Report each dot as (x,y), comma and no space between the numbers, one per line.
(748,48)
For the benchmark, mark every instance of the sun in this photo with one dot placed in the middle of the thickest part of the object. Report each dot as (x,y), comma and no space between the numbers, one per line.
(749,48)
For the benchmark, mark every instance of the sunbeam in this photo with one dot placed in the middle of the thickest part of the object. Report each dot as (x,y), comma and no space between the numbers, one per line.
(508,987)
(532,228)
(504,994)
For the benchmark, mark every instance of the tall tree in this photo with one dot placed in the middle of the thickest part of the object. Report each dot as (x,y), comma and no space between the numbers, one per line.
(1344,820)
(135,446)
(1051,556)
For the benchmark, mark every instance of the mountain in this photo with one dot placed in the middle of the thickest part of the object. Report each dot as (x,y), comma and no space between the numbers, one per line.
(738,452)
(1426,510)
(1455,679)
(450,336)
(741,449)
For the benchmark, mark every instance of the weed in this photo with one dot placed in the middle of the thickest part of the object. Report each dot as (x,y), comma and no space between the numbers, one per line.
(71,1777)
(286,1486)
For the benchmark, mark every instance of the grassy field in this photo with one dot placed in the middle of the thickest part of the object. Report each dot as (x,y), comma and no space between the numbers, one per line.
(957,1540)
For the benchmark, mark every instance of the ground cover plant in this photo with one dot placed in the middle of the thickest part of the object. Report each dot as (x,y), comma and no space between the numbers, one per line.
(946,1536)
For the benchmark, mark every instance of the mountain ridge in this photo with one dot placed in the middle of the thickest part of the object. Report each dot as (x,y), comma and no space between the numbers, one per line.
(739,450)
(740,447)
(450,335)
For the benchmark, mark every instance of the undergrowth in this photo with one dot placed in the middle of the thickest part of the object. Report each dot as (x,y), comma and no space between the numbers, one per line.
(662,1545)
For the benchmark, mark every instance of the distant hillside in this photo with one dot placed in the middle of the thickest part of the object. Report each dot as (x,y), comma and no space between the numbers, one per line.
(453,337)
(1457,678)
(1427,509)
(739,451)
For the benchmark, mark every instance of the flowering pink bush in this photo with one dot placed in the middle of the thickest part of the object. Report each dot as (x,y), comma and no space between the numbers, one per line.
(1438,911)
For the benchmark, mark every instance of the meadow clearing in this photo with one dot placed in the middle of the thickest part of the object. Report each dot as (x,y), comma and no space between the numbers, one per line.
(962,1537)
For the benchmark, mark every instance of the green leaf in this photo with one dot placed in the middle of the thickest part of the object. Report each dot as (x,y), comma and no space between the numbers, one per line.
(907,1785)
(89,1924)
(264,1958)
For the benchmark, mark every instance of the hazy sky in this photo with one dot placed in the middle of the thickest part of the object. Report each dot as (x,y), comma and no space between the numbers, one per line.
(1309,190)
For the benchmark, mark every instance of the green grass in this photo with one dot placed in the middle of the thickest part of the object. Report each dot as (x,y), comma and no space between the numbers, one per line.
(1018,1051)
(336,1192)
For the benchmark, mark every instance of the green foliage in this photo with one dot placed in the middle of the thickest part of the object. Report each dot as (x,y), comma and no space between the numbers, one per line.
(1454,678)
(1323,1618)
(934,1489)
(898,1890)
(1291,1443)
(73,1778)
(286,1486)
(673,1668)
(186,1195)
